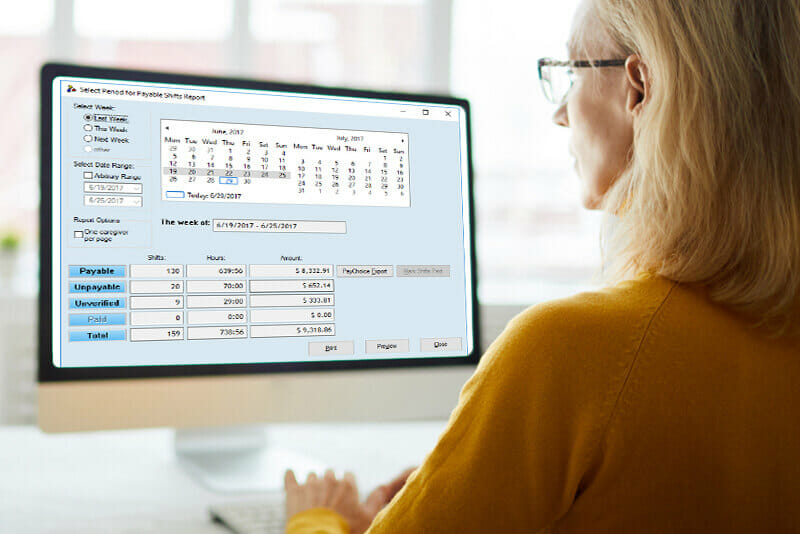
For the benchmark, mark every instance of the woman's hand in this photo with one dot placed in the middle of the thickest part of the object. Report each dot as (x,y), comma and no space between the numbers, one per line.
(340,496)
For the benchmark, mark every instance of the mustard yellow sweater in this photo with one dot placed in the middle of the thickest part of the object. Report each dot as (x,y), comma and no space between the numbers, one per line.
(642,407)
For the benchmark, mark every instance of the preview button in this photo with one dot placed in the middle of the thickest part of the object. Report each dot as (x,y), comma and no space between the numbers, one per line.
(384,346)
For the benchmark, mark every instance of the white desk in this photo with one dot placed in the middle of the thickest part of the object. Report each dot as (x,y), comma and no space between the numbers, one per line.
(129,481)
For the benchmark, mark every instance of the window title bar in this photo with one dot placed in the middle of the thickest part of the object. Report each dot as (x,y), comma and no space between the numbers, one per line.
(243,98)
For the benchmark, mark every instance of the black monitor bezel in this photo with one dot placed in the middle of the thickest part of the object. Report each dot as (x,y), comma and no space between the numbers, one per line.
(50,373)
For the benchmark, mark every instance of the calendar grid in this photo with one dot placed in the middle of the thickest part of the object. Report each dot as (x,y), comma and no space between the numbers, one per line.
(227,162)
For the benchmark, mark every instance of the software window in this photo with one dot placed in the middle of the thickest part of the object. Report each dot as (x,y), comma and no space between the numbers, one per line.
(194,220)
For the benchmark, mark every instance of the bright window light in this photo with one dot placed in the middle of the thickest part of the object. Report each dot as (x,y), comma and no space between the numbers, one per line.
(29,18)
(154,20)
(536,241)
(268,22)
(309,3)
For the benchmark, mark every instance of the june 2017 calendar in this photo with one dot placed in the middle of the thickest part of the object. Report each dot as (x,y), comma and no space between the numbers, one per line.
(226,162)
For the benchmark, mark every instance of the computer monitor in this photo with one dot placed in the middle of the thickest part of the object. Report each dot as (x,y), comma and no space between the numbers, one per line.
(227,252)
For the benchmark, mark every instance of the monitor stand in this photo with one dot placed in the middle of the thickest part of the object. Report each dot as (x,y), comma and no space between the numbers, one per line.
(239,459)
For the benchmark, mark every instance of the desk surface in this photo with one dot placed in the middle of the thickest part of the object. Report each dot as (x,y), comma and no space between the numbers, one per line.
(130,481)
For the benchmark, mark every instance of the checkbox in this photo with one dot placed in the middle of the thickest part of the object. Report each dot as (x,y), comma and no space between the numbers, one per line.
(78,234)
(87,174)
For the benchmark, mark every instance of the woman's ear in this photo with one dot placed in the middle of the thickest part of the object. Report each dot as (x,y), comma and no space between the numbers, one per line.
(638,86)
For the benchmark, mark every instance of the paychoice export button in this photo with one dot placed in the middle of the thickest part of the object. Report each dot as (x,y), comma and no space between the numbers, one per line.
(440,344)
(364,271)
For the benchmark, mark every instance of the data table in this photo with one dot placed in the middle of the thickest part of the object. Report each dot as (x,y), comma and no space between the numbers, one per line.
(188,302)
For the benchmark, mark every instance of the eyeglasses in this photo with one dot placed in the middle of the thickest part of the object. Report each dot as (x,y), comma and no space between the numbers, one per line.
(557,76)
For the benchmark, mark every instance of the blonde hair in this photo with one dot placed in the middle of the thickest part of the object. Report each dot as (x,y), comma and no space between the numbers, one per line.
(712,192)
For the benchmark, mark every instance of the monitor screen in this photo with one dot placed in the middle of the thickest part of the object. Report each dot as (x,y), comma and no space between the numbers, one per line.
(195,225)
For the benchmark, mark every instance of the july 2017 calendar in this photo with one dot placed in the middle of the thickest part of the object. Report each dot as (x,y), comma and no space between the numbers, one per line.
(227,162)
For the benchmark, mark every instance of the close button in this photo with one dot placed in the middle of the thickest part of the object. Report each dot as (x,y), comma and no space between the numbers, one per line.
(440,344)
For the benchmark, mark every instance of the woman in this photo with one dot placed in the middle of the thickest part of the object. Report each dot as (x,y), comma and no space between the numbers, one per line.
(668,401)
